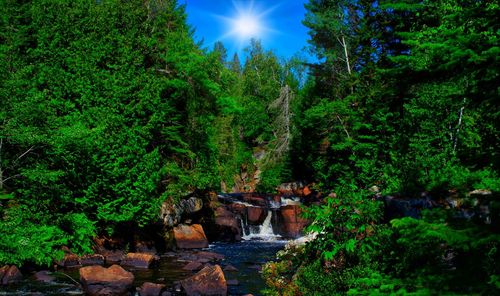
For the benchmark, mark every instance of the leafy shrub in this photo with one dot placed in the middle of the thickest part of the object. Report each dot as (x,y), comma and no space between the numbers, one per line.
(23,241)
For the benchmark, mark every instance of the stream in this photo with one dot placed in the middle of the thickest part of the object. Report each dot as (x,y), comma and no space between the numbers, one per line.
(247,256)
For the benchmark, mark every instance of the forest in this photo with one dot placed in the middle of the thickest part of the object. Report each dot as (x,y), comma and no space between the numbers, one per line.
(108,108)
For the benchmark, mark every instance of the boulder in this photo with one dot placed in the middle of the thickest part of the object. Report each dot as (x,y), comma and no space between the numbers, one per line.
(255,200)
(238,208)
(113,257)
(70,260)
(10,275)
(227,225)
(190,237)
(193,266)
(209,281)
(256,215)
(151,289)
(44,276)
(100,281)
(138,260)
(171,212)
(293,223)
(3,270)
(94,259)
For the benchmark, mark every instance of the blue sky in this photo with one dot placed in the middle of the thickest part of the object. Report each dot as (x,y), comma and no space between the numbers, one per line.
(278,24)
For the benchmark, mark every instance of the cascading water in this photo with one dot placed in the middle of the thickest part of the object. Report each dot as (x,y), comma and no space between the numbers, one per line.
(261,232)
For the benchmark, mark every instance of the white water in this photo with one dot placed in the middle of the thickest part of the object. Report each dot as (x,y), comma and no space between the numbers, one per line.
(262,232)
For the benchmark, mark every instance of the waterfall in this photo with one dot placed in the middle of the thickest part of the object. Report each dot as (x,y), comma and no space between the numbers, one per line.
(262,232)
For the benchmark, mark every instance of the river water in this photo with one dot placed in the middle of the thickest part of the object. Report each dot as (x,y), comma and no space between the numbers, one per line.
(247,256)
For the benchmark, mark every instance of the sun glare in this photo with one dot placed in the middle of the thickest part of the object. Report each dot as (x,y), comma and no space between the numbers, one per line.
(248,21)
(247,26)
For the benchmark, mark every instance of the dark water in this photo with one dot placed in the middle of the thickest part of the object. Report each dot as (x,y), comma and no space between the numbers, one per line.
(246,256)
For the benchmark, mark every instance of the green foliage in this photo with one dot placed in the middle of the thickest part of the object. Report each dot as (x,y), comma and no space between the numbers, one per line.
(344,222)
(25,241)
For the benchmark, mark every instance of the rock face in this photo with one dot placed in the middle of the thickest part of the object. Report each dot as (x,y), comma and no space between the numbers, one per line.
(256,215)
(293,223)
(227,225)
(99,281)
(172,213)
(209,281)
(138,260)
(190,237)
(10,275)
(150,289)
(70,260)
(94,259)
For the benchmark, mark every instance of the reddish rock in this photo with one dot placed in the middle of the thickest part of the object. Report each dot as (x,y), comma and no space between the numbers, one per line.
(209,281)
(151,289)
(255,200)
(256,215)
(70,260)
(306,191)
(138,260)
(94,259)
(293,223)
(190,237)
(99,281)
(10,275)
(238,208)
(227,225)
(44,276)
(3,270)
(192,266)
(113,257)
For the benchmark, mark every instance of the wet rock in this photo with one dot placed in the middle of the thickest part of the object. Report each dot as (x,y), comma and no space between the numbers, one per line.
(255,200)
(99,281)
(70,260)
(227,225)
(193,266)
(3,270)
(151,289)
(209,281)
(94,259)
(113,257)
(10,275)
(44,276)
(238,208)
(138,260)
(230,268)
(190,237)
(293,223)
(233,283)
(256,215)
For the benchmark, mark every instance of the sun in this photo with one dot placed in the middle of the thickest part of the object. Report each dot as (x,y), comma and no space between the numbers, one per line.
(247,26)
(247,22)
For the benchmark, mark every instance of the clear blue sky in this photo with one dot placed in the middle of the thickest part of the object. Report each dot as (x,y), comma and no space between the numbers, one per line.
(278,24)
